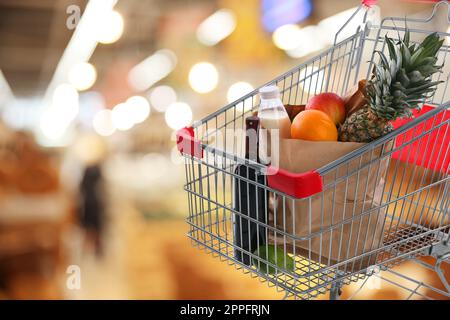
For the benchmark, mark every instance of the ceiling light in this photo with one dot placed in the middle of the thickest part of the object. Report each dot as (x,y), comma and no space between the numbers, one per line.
(65,102)
(65,93)
(82,44)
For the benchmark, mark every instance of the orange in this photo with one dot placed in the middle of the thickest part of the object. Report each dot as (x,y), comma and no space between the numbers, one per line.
(313,125)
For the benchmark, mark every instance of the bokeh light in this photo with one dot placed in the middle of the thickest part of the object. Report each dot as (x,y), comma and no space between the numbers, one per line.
(161,97)
(238,90)
(89,148)
(51,125)
(216,27)
(63,109)
(275,13)
(91,102)
(64,93)
(122,119)
(287,37)
(109,27)
(103,123)
(139,108)
(82,76)
(178,115)
(152,69)
(65,104)
(313,38)
(203,77)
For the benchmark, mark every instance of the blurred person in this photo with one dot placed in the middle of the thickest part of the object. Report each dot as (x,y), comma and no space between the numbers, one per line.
(91,150)
(91,211)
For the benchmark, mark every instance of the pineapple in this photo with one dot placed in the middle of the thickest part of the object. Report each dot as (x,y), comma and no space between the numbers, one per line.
(398,86)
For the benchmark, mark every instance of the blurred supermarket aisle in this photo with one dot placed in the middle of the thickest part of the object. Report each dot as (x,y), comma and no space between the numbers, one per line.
(117,91)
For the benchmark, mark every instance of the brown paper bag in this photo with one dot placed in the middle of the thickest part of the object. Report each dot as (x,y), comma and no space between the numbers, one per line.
(337,223)
(416,207)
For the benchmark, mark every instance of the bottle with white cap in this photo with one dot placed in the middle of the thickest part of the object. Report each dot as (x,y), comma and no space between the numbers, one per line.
(275,125)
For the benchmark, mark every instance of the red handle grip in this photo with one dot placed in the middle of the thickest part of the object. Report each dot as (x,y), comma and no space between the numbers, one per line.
(297,185)
(186,143)
(369,3)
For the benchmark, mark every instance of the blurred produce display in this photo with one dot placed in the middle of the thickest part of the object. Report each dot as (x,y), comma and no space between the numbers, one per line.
(33,214)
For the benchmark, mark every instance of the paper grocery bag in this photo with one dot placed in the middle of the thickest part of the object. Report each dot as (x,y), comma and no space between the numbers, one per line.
(341,222)
(423,208)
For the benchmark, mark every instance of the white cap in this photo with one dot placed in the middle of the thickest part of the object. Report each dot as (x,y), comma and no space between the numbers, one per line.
(269,92)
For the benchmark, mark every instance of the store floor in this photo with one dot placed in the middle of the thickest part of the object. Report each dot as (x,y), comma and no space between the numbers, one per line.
(153,259)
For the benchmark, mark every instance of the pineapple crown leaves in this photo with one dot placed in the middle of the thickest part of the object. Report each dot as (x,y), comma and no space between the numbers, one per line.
(402,82)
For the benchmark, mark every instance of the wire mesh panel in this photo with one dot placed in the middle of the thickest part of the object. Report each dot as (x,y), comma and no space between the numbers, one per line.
(382,203)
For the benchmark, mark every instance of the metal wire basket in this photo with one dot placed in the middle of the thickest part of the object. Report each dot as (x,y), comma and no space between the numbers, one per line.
(414,199)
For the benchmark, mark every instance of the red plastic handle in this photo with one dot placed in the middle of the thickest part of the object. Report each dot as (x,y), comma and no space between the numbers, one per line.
(297,185)
(186,143)
(369,3)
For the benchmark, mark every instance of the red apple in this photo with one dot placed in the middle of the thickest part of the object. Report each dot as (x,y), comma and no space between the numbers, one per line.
(330,103)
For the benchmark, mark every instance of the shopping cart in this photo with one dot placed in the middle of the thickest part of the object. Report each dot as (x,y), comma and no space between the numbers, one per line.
(415,198)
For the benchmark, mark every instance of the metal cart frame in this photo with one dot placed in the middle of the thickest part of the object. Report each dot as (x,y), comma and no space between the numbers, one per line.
(415,197)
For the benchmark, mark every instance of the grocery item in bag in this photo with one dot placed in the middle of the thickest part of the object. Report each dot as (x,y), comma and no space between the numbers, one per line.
(342,222)
(275,125)
(249,200)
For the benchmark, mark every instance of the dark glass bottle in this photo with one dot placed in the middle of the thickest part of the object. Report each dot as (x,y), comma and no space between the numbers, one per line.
(250,200)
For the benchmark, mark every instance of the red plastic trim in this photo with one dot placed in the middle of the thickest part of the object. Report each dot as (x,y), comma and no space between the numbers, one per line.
(418,152)
(186,143)
(297,185)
